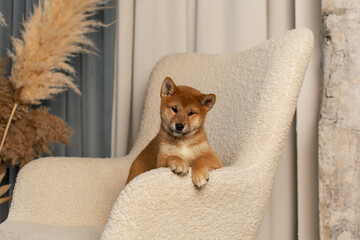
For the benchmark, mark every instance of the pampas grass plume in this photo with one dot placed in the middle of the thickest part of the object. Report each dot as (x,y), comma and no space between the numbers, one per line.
(54,33)
(2,20)
(33,131)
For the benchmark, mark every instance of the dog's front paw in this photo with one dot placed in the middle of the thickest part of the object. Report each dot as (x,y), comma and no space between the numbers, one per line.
(179,166)
(200,177)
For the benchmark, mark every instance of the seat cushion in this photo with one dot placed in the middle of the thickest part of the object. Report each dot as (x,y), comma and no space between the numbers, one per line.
(17,230)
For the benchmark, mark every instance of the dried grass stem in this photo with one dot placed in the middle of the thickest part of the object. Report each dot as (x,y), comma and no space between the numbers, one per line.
(8,126)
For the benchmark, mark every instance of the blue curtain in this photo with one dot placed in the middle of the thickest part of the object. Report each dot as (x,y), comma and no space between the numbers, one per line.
(88,114)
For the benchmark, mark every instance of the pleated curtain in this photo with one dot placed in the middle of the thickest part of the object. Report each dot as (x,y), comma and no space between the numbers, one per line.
(148,30)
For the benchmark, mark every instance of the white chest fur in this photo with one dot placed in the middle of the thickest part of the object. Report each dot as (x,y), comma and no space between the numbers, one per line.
(184,151)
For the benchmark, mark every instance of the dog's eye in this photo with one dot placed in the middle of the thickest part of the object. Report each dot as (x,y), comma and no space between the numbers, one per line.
(174,109)
(191,113)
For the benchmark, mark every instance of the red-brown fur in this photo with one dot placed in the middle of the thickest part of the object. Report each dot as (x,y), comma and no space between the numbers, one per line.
(175,148)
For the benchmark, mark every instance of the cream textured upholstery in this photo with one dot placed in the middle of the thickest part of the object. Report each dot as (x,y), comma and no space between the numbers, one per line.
(256,93)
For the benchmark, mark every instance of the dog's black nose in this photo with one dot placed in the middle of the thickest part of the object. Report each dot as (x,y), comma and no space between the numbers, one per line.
(179,127)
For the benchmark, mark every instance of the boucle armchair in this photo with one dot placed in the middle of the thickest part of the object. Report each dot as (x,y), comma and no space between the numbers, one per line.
(83,198)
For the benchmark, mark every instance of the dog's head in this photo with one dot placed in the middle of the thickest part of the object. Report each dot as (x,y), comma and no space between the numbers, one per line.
(183,109)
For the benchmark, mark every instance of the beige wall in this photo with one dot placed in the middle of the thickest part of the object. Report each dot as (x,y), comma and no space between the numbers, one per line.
(339,126)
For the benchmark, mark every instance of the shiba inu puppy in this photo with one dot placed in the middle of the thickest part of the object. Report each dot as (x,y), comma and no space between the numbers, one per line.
(181,141)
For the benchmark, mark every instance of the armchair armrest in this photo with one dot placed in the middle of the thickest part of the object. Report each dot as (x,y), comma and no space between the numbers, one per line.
(68,191)
(162,205)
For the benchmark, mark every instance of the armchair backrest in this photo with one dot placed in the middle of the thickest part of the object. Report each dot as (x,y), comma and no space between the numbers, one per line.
(256,91)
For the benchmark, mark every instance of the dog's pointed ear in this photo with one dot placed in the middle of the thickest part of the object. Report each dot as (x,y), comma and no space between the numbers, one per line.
(208,100)
(168,87)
